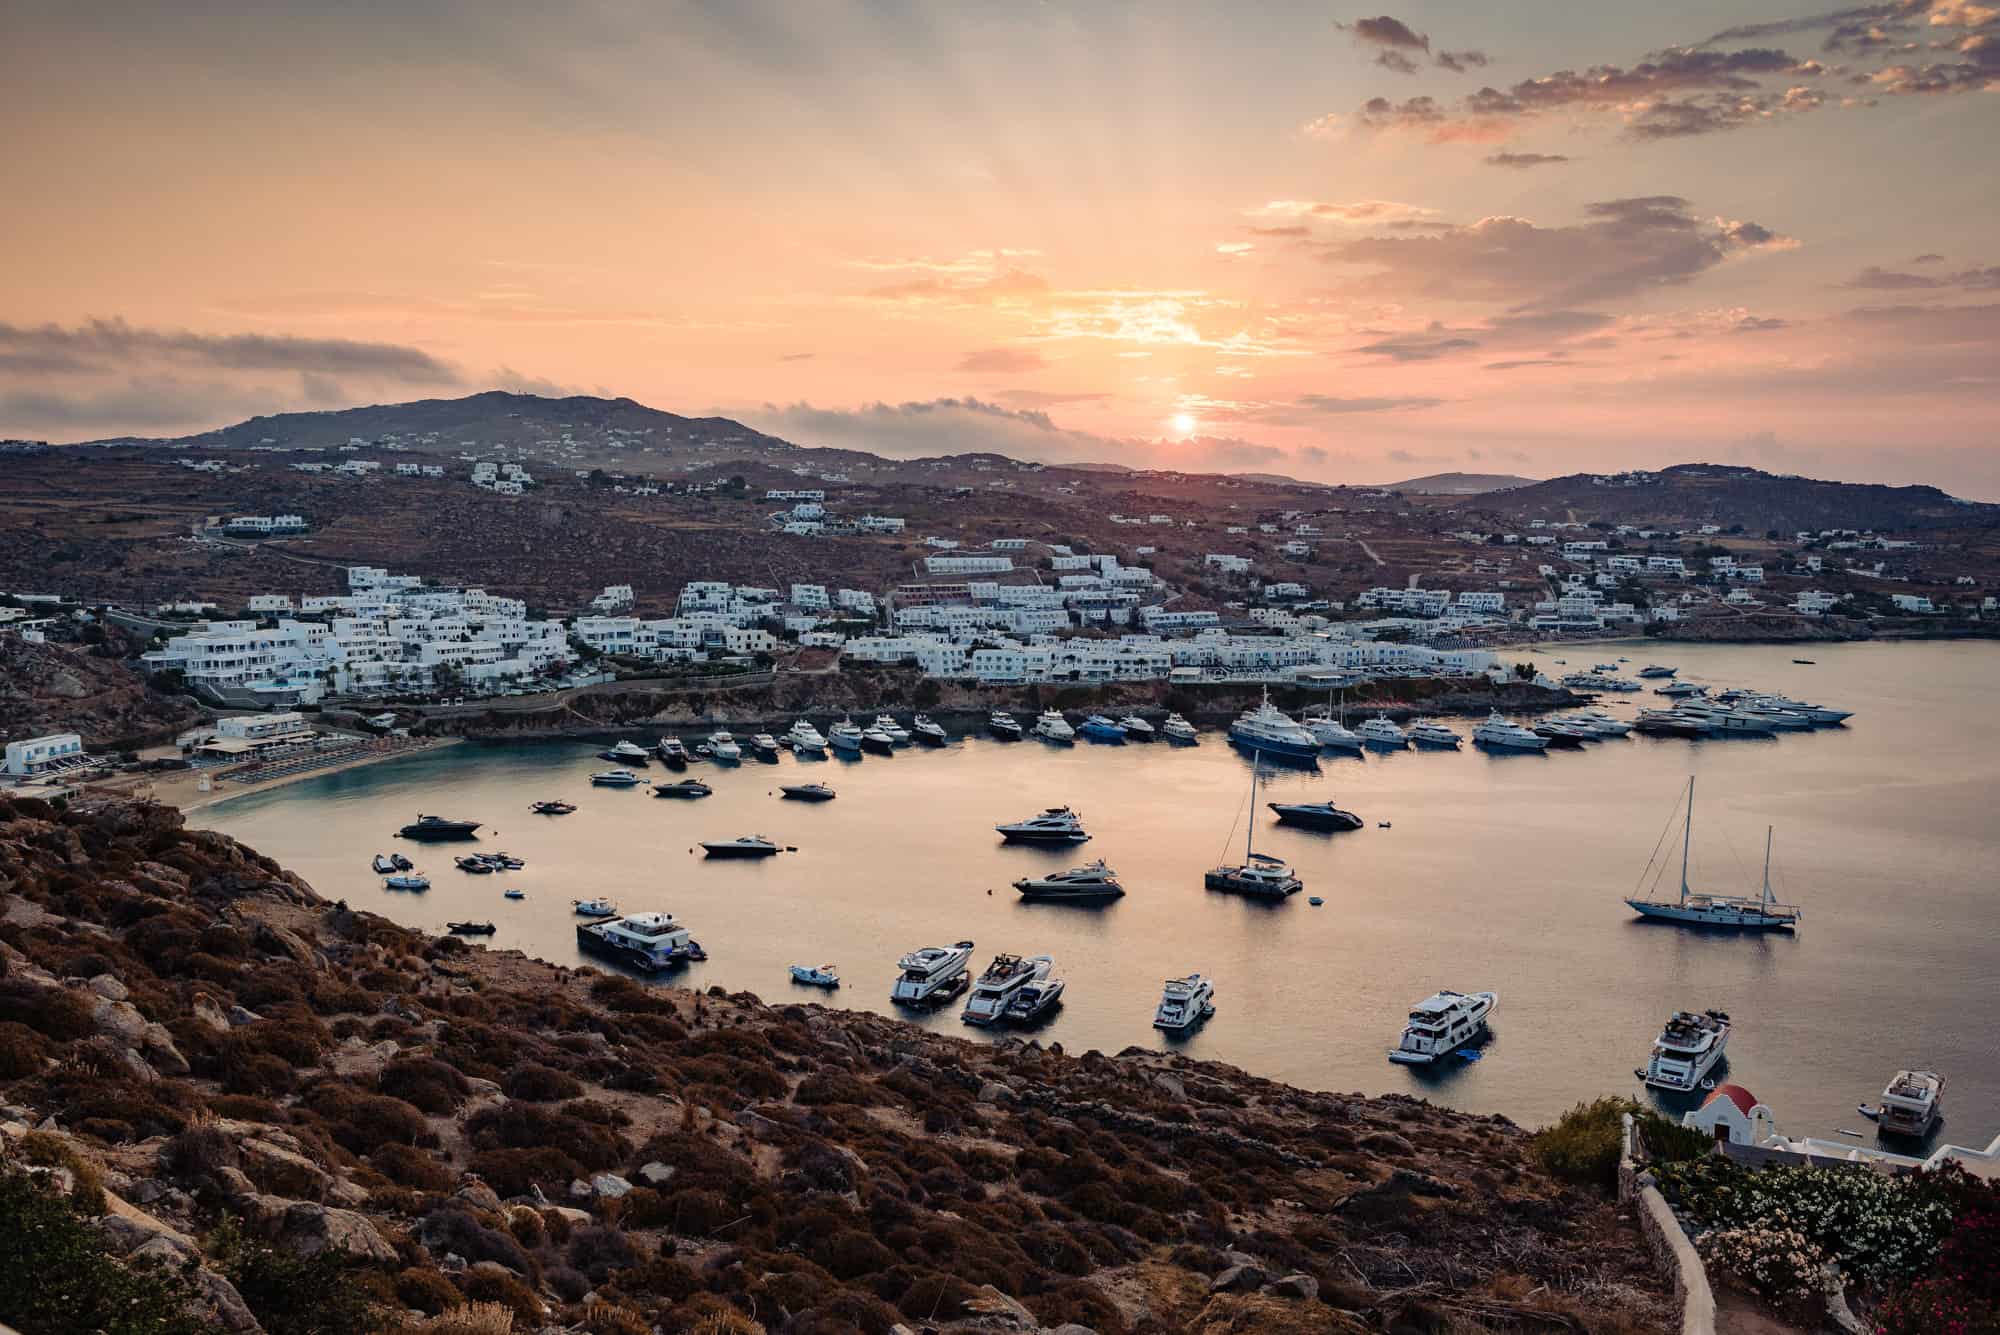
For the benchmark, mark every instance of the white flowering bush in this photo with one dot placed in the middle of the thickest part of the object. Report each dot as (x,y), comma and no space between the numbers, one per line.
(1779,1264)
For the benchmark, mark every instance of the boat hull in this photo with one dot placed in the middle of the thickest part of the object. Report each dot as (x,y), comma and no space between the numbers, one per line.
(629,956)
(737,851)
(1230,884)
(1066,894)
(1754,920)
(1315,818)
(1297,752)
(1038,837)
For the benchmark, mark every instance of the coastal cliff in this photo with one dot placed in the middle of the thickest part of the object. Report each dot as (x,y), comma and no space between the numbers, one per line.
(290,1115)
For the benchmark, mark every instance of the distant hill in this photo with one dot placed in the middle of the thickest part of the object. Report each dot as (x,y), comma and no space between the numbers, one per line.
(1691,495)
(1460,484)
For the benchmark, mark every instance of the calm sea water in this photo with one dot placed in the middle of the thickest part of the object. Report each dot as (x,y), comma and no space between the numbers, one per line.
(1501,872)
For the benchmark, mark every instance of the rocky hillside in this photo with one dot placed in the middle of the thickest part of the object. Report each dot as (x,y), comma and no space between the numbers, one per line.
(223,1096)
(47,688)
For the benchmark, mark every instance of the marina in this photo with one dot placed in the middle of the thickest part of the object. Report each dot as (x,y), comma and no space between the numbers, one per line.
(1502,870)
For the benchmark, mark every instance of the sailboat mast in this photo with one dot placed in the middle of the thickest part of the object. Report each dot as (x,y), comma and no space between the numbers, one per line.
(1687,839)
(1250,819)
(1767,866)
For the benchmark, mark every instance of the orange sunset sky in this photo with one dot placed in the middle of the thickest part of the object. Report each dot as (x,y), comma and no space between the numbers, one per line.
(1348,245)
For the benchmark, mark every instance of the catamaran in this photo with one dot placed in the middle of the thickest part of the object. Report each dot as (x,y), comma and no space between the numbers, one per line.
(1763,913)
(1259,875)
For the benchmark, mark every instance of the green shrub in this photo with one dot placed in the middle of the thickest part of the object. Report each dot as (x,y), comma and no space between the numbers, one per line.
(1584,1146)
(537,1083)
(58,1013)
(57,1279)
(22,1050)
(290,1294)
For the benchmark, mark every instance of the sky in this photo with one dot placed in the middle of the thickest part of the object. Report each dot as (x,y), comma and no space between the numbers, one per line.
(1344,244)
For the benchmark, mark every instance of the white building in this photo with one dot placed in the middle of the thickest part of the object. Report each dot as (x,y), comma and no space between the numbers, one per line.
(968,565)
(39,755)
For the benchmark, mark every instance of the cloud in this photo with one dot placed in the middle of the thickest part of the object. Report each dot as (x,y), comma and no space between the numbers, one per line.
(1003,361)
(1520,363)
(1398,46)
(798,356)
(1522,161)
(113,345)
(1460,61)
(1325,403)
(1006,287)
(1418,349)
(1360,213)
(1980,278)
(1049,398)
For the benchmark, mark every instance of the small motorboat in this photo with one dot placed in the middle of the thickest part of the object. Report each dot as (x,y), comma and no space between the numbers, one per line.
(616,778)
(409,881)
(807,792)
(1101,729)
(431,828)
(388,865)
(471,928)
(504,861)
(1315,901)
(599,907)
(749,846)
(1803,662)
(552,807)
(1036,1001)
(476,865)
(683,788)
(816,975)
(514,892)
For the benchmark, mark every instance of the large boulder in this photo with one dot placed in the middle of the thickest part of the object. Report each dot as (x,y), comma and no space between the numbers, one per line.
(309,1228)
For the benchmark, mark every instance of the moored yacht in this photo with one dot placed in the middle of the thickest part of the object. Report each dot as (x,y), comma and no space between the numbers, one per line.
(1763,913)
(1056,825)
(1100,728)
(598,907)
(805,739)
(1654,670)
(673,753)
(874,739)
(1137,729)
(886,725)
(845,736)
(807,792)
(1670,723)
(723,746)
(1092,881)
(429,828)
(648,942)
(1599,722)
(1051,726)
(409,880)
(816,975)
(1259,875)
(1687,1050)
(1501,734)
(1725,722)
(1381,731)
(993,992)
(1268,730)
(1184,1003)
(1330,732)
(616,778)
(1037,999)
(1680,690)
(683,788)
(931,975)
(1912,1104)
(552,806)
(1004,726)
(1429,732)
(749,846)
(1178,729)
(765,745)
(625,753)
(1315,815)
(1441,1024)
(926,731)
(1557,733)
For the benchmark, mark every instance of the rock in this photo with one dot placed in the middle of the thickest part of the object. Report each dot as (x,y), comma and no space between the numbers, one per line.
(611,1185)
(1006,1314)
(275,940)
(1238,1279)
(165,1251)
(480,1088)
(281,1171)
(1420,1184)
(136,1066)
(657,1174)
(579,1190)
(109,988)
(309,1229)
(1296,1285)
(478,1195)
(234,1183)
(350,1195)
(1171,1084)
(570,1214)
(1069,1328)
(205,1012)
(158,1045)
(120,1020)
(124,1234)
(994,1093)
(1387,1142)
(146,1190)
(242,1015)
(231,1312)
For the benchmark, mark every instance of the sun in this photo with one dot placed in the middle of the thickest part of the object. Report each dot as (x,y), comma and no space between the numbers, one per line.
(1182,423)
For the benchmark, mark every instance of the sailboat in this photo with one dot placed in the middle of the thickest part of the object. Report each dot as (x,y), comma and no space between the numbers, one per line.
(1762,913)
(1259,874)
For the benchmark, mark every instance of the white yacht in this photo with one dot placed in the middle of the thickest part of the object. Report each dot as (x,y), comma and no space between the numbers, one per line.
(1501,734)
(1762,913)
(1599,722)
(1330,732)
(1038,998)
(1654,670)
(1382,731)
(896,733)
(874,739)
(645,941)
(1441,1024)
(1680,690)
(1184,1003)
(616,778)
(599,907)
(815,975)
(927,732)
(1912,1104)
(931,975)
(1623,685)
(1268,730)
(1686,1051)
(413,880)
(845,736)
(1056,825)
(993,992)
(1259,875)
(1137,729)
(724,747)
(1092,881)
(1053,727)
(1178,729)
(629,752)
(1429,732)
(1004,726)
(765,745)
(805,739)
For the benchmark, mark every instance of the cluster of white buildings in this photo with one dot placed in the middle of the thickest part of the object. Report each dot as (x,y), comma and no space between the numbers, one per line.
(809,517)
(502,479)
(263,526)
(717,617)
(419,470)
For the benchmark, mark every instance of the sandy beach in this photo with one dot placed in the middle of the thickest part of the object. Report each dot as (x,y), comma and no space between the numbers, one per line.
(182,788)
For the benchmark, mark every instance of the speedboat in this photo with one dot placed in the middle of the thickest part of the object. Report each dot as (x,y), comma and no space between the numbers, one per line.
(724,747)
(765,745)
(874,739)
(616,778)
(504,861)
(1036,1001)
(1382,731)
(673,752)
(1268,730)
(931,975)
(648,942)
(1501,734)
(1331,733)
(1315,815)
(1604,667)
(430,828)
(594,908)
(1680,689)
(625,753)
(1137,729)
(886,725)
(1056,825)
(684,788)
(1051,726)
(514,892)
(844,736)
(1912,1105)
(477,866)
(1429,732)
(1184,1003)
(1687,1050)
(994,991)
(1004,726)
(1178,729)
(1762,913)
(805,739)
(552,807)
(815,975)
(470,928)
(388,864)
(927,732)
(1441,1024)
(749,846)
(1091,881)
(1101,729)
(1655,670)
(807,792)
(1670,723)
(408,881)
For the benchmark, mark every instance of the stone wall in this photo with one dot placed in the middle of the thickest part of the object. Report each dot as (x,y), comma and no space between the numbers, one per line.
(1668,1242)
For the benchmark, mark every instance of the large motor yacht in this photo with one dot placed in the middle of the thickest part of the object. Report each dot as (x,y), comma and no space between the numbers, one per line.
(1762,913)
(994,991)
(845,736)
(1599,722)
(1912,1105)
(805,739)
(1315,815)
(1331,733)
(616,778)
(1056,825)
(439,827)
(1686,1051)
(673,753)
(1654,670)
(1502,734)
(749,846)
(625,753)
(1053,727)
(724,747)
(878,741)
(648,942)
(1679,690)
(1269,730)
(1726,722)
(1178,729)
(765,745)
(1004,726)
(1092,881)
(806,792)
(1137,729)
(682,788)
(1441,1024)
(1184,1003)
(931,975)
(1429,732)
(928,732)
(1100,728)
(886,725)
(1381,731)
